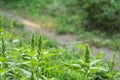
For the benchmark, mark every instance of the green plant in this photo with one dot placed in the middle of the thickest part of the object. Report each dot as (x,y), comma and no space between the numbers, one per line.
(89,67)
(105,17)
(113,74)
(64,29)
(20,58)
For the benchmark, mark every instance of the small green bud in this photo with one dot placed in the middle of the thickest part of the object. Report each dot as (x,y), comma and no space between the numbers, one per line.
(39,45)
(32,41)
(20,43)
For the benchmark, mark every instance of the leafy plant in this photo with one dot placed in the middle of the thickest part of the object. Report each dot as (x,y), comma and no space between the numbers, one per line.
(90,68)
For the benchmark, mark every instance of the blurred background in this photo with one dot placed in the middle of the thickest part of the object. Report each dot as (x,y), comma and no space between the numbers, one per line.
(96,22)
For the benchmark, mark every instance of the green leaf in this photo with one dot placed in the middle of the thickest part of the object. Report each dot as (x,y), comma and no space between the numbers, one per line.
(98,69)
(100,56)
(94,62)
(72,65)
(25,72)
(5,70)
(23,62)
(82,63)
(50,68)
(44,77)
(82,47)
(2,59)
(109,75)
(34,62)
(48,55)
(118,74)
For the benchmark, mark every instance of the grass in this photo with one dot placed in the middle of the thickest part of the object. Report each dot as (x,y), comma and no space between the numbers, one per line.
(65,19)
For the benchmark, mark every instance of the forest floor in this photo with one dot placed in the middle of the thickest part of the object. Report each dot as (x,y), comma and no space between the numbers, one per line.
(65,39)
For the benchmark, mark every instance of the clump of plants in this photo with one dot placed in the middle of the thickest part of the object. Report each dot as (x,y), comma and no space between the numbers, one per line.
(94,69)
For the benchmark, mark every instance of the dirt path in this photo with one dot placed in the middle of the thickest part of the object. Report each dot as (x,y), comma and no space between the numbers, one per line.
(67,39)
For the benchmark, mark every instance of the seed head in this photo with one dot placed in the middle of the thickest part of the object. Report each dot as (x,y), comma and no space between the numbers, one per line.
(87,55)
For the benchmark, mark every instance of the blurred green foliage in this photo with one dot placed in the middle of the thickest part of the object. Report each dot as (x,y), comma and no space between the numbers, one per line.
(74,16)
(95,14)
(102,14)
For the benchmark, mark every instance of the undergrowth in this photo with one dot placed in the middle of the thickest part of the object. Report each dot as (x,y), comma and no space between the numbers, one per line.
(35,59)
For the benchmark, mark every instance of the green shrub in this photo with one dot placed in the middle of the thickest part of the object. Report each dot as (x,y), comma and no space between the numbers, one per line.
(65,29)
(102,14)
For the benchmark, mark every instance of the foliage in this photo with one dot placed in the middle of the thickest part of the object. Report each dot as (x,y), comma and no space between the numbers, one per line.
(95,14)
(20,60)
(50,13)
(102,14)
(74,16)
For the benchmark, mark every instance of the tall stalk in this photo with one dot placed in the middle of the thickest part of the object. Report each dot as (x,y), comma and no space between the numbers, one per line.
(32,41)
(32,49)
(39,57)
(3,55)
(3,48)
(87,61)
(112,65)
